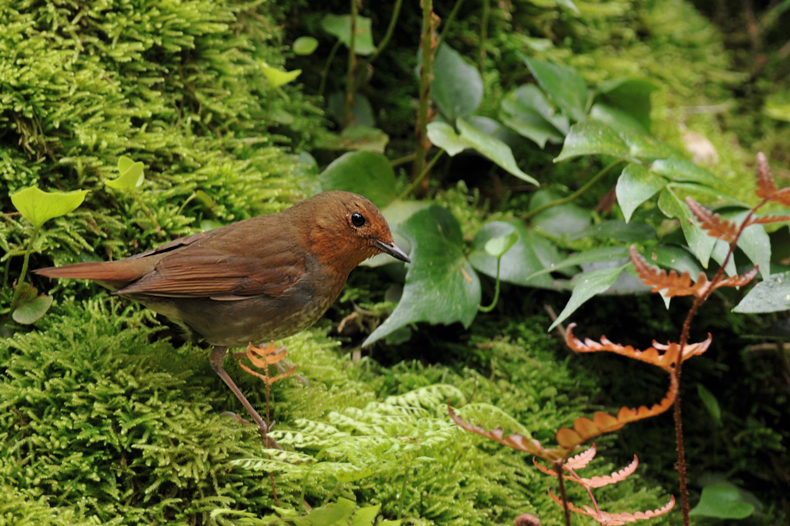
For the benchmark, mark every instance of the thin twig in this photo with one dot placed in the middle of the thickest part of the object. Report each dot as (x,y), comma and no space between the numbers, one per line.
(387,35)
(575,194)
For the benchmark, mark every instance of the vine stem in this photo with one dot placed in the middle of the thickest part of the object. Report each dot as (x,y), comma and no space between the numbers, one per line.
(575,194)
(684,336)
(416,183)
(352,65)
(25,263)
(448,23)
(387,35)
(484,34)
(496,290)
(325,72)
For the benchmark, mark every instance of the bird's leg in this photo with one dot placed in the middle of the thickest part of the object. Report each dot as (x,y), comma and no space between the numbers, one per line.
(217,359)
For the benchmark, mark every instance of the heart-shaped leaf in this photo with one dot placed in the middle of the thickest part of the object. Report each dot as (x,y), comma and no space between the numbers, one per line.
(38,206)
(497,246)
(278,77)
(31,311)
(340,26)
(441,286)
(132,174)
(457,86)
(305,45)
(721,502)
(530,254)
(364,173)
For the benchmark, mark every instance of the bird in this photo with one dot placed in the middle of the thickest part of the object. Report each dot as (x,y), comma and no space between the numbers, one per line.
(260,279)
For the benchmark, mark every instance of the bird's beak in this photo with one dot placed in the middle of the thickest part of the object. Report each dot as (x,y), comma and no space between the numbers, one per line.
(393,250)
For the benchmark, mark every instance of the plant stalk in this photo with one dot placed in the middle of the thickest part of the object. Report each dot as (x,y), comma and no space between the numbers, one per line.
(496,290)
(352,65)
(428,43)
(325,72)
(484,34)
(387,35)
(416,183)
(448,23)
(25,263)
(684,336)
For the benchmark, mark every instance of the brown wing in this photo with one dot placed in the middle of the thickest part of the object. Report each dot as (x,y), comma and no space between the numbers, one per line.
(205,273)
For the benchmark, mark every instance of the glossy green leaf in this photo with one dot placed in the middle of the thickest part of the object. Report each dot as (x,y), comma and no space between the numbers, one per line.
(644,147)
(360,138)
(530,254)
(616,118)
(710,403)
(365,516)
(563,85)
(630,96)
(558,220)
(443,136)
(527,111)
(132,174)
(441,285)
(31,311)
(340,27)
(596,255)
(585,286)
(683,170)
(457,86)
(305,45)
(635,232)
(593,137)
(675,258)
(754,242)
(699,242)
(332,513)
(770,295)
(636,185)
(364,173)
(721,502)
(38,206)
(278,77)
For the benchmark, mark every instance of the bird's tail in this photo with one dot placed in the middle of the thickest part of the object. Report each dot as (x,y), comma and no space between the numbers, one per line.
(112,271)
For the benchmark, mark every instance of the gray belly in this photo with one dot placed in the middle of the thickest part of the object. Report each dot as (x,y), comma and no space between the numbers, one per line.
(257,319)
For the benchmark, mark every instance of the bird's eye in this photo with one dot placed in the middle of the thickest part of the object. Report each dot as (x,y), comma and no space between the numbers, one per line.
(357,219)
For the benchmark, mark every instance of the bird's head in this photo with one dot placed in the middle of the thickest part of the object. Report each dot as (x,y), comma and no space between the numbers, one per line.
(346,229)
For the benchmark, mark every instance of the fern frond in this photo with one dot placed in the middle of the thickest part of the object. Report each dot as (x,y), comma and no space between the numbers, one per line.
(672,283)
(652,355)
(615,519)
(714,224)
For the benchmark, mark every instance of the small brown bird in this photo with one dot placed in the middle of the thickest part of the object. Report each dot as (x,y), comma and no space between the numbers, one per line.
(256,280)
